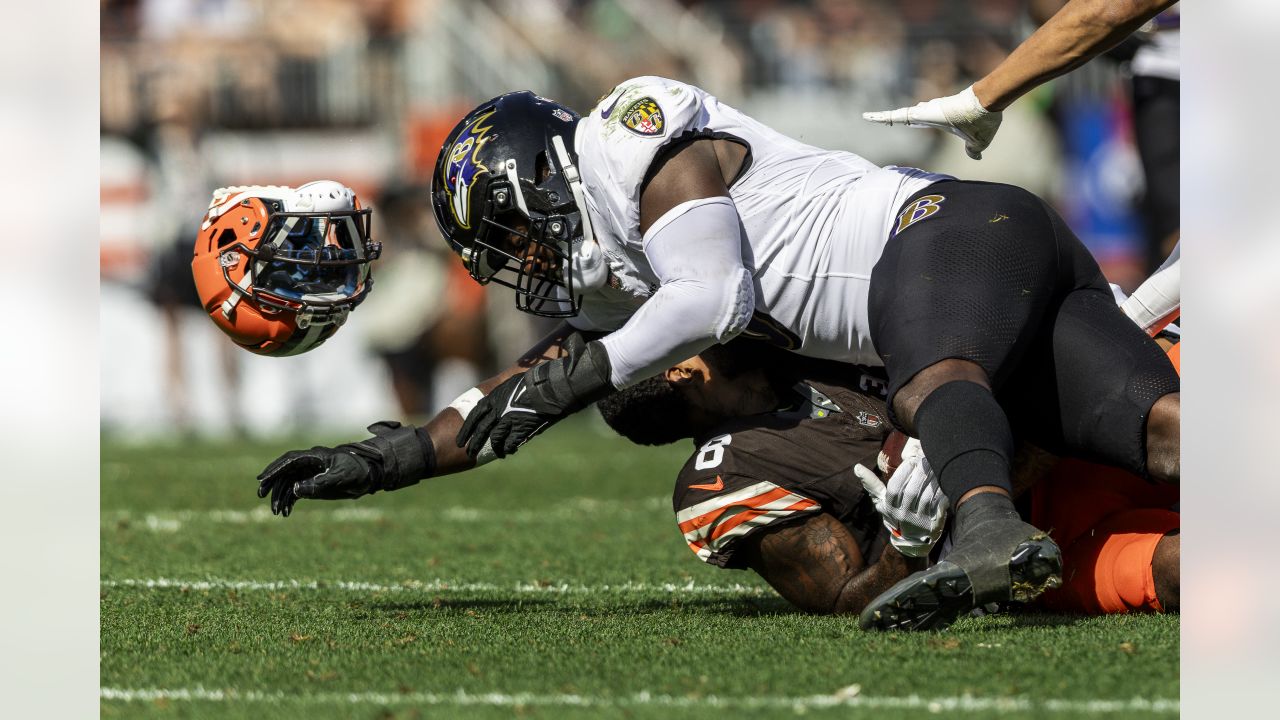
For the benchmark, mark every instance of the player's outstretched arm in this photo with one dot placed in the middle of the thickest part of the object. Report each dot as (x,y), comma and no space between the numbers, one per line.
(396,456)
(693,241)
(817,566)
(1077,33)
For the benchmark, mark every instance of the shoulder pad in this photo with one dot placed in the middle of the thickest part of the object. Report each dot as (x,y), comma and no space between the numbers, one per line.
(649,107)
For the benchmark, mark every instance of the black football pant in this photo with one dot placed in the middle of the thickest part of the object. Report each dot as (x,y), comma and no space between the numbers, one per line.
(991,274)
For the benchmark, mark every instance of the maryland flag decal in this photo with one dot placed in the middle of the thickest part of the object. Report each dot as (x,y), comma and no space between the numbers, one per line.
(644,117)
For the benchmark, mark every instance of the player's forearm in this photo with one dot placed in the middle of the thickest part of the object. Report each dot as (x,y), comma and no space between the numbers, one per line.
(682,320)
(706,294)
(1080,31)
(443,428)
(817,566)
(865,586)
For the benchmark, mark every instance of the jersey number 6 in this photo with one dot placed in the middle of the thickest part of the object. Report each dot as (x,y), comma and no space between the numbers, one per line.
(710,454)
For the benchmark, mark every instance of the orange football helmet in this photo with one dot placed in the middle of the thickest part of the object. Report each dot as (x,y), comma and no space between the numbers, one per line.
(278,269)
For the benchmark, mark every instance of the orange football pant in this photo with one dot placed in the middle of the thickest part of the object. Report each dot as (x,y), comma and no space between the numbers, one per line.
(1108,523)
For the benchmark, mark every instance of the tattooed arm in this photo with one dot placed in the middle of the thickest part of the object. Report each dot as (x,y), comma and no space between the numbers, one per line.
(817,566)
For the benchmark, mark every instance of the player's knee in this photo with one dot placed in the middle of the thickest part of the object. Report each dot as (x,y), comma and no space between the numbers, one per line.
(907,401)
(1166,572)
(1163,438)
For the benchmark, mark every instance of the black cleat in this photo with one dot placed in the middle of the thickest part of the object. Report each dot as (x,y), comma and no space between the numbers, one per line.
(932,599)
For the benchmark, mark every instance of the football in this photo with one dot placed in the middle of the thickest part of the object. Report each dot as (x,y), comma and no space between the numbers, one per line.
(890,456)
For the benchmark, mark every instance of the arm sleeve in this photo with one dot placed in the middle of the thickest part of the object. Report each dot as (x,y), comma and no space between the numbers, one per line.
(706,294)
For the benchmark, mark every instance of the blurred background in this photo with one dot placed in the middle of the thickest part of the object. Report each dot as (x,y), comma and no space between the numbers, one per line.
(197,94)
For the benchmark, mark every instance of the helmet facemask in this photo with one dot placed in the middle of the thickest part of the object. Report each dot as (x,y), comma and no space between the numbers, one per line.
(524,242)
(509,200)
(315,264)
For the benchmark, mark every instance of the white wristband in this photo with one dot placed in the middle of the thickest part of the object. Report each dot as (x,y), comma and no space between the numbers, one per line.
(466,402)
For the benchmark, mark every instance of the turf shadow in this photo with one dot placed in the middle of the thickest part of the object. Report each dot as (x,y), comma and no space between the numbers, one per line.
(753,607)
(1037,619)
(492,605)
(737,607)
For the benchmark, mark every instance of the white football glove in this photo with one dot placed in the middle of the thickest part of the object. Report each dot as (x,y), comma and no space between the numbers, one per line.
(960,114)
(912,506)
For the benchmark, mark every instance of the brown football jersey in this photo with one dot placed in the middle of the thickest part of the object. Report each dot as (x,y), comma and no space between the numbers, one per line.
(764,470)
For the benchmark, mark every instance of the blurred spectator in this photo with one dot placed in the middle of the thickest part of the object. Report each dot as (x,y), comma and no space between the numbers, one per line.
(1157,94)
(182,192)
(427,311)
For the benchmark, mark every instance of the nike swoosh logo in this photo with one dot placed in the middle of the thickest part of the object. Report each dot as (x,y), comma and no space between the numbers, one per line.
(514,397)
(606,112)
(716,486)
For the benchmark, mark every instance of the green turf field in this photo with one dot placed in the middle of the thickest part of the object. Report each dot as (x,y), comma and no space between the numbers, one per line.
(554,585)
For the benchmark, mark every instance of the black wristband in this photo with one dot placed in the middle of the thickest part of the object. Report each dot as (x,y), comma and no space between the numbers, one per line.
(406,454)
(575,381)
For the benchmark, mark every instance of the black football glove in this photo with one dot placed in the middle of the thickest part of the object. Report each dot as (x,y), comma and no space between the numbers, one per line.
(393,458)
(525,405)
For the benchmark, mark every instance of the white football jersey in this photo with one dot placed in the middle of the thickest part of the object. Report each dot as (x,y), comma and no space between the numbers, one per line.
(815,220)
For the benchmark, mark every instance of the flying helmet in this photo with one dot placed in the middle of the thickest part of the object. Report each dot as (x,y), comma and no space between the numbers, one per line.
(509,200)
(278,269)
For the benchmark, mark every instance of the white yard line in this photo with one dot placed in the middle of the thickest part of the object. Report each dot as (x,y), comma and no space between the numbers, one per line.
(438,586)
(570,509)
(849,697)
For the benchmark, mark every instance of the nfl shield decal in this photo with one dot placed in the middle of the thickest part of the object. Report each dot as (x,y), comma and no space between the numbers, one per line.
(644,117)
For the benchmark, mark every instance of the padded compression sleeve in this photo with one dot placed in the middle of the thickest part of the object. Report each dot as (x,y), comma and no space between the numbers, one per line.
(706,294)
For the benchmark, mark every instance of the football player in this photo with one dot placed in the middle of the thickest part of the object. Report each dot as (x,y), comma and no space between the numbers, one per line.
(769,488)
(665,221)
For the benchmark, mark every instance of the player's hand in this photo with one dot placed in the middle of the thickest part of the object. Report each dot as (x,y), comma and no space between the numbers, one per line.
(913,507)
(396,456)
(320,473)
(507,418)
(960,114)
(525,405)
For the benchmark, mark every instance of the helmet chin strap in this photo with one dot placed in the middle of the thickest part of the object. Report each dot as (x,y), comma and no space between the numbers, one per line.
(588,265)
(309,315)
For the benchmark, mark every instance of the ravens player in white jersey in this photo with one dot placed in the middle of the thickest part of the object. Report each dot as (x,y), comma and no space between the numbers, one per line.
(665,222)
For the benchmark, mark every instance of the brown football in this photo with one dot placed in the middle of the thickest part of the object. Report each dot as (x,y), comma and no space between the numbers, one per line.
(890,456)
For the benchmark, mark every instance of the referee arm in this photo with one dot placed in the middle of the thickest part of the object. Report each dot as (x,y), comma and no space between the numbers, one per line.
(1079,32)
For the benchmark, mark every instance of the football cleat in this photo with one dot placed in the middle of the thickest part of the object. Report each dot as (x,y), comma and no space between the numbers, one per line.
(278,269)
(932,599)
